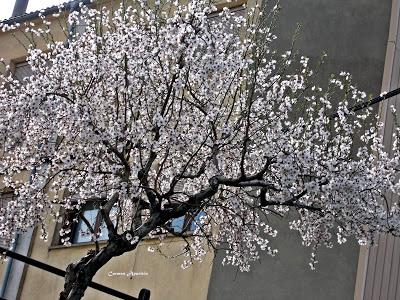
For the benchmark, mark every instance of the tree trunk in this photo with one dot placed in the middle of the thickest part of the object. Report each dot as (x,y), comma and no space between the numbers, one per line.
(80,274)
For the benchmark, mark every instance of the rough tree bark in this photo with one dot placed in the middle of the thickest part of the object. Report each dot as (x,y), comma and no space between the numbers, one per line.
(80,274)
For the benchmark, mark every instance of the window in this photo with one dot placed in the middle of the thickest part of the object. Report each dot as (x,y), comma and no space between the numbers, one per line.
(80,27)
(238,11)
(75,230)
(22,70)
(185,223)
(81,232)
(5,197)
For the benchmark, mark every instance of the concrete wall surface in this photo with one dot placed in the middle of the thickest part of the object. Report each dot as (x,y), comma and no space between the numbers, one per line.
(162,275)
(287,275)
(379,276)
(354,34)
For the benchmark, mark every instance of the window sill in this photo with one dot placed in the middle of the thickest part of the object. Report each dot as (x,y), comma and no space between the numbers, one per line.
(169,236)
(146,240)
(55,247)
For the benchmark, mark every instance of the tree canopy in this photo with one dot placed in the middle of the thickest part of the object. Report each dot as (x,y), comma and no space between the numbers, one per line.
(158,111)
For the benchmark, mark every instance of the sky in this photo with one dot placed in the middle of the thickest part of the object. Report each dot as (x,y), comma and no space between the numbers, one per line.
(6,6)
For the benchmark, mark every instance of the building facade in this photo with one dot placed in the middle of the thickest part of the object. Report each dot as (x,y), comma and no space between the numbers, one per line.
(359,36)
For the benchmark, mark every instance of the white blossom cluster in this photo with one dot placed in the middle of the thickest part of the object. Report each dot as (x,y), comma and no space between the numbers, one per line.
(155,96)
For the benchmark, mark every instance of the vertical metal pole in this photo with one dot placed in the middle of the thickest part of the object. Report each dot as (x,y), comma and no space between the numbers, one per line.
(7,273)
(20,7)
(144,294)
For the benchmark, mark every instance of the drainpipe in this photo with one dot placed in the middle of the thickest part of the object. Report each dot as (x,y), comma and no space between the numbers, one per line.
(20,7)
(72,28)
(7,272)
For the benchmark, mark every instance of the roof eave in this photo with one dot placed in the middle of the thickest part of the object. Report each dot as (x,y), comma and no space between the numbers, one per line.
(46,12)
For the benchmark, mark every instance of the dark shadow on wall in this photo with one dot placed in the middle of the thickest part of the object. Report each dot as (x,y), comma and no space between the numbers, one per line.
(288,275)
(354,34)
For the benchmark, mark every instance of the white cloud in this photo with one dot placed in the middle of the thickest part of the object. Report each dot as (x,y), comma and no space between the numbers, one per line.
(6,6)
(40,4)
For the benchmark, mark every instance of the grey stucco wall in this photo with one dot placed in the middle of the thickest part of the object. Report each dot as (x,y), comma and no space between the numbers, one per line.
(354,34)
(287,275)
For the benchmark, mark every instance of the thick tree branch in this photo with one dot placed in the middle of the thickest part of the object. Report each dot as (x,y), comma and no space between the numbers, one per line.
(105,213)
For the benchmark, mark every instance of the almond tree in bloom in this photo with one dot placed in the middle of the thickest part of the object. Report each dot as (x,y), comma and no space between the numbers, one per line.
(168,110)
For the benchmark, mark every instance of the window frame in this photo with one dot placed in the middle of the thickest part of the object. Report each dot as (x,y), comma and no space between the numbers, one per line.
(3,205)
(90,205)
(188,221)
(70,220)
(4,197)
